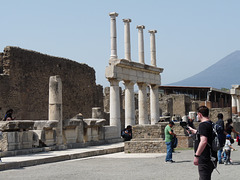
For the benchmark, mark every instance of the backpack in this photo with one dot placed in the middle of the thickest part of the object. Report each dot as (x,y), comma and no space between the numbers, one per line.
(218,135)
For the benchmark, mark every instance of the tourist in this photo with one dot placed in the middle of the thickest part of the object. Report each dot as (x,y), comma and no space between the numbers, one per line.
(127,133)
(220,122)
(8,115)
(202,150)
(229,128)
(168,140)
(227,149)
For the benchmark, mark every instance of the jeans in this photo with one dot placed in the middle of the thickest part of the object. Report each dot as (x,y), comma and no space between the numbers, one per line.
(169,151)
(228,154)
(220,155)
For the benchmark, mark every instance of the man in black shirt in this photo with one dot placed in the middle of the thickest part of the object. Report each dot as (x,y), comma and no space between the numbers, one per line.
(203,151)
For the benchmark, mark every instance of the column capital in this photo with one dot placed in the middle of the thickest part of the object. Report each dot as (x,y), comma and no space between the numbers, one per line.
(127,20)
(126,83)
(152,31)
(140,27)
(114,82)
(113,14)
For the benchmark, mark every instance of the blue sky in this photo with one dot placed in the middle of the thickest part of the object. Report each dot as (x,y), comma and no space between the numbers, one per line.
(192,35)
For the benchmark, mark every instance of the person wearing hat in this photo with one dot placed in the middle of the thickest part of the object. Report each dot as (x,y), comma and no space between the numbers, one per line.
(227,149)
(168,140)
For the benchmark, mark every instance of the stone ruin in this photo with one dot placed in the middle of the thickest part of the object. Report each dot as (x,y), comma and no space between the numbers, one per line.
(62,127)
(28,136)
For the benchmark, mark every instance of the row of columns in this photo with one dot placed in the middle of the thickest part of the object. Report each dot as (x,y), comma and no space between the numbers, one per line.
(127,42)
(130,103)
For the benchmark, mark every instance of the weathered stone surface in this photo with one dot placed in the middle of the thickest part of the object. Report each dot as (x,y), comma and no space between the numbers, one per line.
(148,131)
(16,125)
(151,146)
(45,124)
(24,85)
(71,123)
(16,140)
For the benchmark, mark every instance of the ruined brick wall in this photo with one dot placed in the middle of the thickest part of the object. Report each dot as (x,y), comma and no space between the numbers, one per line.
(24,84)
(225,111)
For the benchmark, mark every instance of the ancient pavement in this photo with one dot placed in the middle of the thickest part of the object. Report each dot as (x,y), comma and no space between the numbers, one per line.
(119,165)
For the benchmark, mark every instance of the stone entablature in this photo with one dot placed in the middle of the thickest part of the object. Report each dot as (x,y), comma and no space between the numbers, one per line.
(125,70)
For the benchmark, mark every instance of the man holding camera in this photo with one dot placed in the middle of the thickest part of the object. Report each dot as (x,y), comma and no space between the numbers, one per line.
(203,151)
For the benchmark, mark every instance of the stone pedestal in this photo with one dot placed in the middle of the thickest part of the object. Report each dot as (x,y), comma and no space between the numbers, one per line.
(45,132)
(72,131)
(16,140)
(93,130)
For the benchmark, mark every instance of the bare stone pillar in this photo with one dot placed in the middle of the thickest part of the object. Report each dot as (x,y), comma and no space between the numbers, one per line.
(129,103)
(113,16)
(97,113)
(55,104)
(153,47)
(115,105)
(154,104)
(142,103)
(234,104)
(127,39)
(238,105)
(141,44)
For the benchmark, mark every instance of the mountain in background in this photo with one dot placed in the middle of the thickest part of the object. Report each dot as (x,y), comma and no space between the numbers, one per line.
(222,74)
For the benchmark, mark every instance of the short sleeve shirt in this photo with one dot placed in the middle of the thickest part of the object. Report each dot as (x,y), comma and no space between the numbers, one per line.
(168,136)
(205,129)
(227,144)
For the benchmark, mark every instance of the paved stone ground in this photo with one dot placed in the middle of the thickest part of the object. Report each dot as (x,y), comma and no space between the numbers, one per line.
(125,166)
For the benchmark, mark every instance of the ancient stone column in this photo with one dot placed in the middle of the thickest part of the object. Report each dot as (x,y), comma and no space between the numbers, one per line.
(127,39)
(129,103)
(238,105)
(55,104)
(115,105)
(113,16)
(142,103)
(234,104)
(153,47)
(154,104)
(141,44)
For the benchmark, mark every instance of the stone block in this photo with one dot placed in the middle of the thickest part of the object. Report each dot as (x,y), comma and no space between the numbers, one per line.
(126,71)
(16,125)
(70,135)
(111,132)
(141,146)
(185,142)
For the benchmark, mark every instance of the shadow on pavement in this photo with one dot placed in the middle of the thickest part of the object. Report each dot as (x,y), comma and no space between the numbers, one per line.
(183,161)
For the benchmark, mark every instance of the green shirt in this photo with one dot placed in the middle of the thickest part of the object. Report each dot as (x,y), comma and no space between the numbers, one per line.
(168,136)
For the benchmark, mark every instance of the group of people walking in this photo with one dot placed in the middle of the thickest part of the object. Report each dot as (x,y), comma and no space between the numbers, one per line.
(205,157)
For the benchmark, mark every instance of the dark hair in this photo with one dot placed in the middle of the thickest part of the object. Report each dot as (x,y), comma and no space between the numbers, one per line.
(220,116)
(171,122)
(229,121)
(129,127)
(203,110)
(8,111)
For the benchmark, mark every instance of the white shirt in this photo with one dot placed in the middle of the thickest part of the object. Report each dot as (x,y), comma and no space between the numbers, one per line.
(227,144)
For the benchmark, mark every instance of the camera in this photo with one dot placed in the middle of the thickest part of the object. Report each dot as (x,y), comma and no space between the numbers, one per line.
(184,125)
